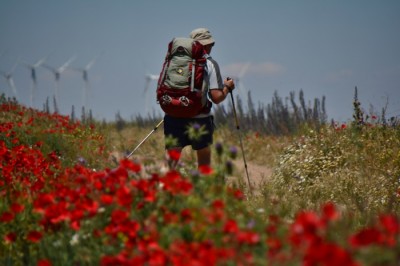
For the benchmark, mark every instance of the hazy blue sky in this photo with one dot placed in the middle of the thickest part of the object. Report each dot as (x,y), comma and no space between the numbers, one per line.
(323,47)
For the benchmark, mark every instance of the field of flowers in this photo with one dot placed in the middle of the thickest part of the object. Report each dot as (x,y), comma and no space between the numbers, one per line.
(64,202)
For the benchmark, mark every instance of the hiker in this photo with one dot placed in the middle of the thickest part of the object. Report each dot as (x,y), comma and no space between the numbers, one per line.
(215,90)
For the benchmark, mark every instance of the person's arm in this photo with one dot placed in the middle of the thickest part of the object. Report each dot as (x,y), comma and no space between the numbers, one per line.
(218,95)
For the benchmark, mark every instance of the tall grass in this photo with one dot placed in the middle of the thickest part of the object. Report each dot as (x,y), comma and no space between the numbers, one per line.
(355,165)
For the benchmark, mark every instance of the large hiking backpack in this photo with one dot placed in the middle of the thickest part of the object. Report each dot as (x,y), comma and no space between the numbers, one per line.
(181,87)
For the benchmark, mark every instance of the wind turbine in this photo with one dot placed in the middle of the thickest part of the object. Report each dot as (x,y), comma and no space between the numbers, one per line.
(57,73)
(85,77)
(9,77)
(239,77)
(33,68)
(148,79)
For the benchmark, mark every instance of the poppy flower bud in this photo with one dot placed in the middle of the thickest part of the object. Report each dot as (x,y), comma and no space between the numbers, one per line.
(229,167)
(233,152)
(219,148)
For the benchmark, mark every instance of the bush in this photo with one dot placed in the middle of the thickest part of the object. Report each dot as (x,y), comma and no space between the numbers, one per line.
(357,168)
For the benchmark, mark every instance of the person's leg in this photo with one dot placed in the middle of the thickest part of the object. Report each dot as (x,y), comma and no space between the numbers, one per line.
(202,145)
(175,139)
(204,156)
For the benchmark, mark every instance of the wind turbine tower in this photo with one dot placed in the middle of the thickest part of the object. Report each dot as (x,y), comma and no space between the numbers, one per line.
(85,77)
(239,77)
(9,77)
(33,68)
(148,79)
(57,74)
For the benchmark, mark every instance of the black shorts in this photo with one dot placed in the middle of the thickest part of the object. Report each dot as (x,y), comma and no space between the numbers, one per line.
(177,128)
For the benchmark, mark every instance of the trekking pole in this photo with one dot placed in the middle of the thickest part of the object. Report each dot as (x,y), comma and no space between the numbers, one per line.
(240,139)
(148,135)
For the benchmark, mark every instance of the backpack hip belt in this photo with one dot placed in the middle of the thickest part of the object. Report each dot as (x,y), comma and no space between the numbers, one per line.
(181,101)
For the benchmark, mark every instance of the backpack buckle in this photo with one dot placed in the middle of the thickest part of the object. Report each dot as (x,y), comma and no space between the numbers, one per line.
(166,99)
(184,100)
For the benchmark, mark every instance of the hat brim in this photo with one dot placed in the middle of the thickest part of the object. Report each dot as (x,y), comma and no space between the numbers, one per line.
(207,41)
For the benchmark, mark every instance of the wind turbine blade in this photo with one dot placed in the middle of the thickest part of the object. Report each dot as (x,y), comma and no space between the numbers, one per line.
(66,64)
(12,85)
(26,64)
(241,86)
(91,63)
(243,70)
(15,65)
(146,87)
(39,62)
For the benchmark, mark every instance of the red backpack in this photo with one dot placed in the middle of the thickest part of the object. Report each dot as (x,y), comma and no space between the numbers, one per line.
(181,88)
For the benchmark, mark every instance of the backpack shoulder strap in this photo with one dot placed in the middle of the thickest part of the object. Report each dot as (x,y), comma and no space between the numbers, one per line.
(217,71)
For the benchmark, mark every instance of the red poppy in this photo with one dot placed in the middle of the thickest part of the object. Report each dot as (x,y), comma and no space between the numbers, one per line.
(170,217)
(17,208)
(10,237)
(34,236)
(106,199)
(3,148)
(274,245)
(327,254)
(230,226)
(248,237)
(390,223)
(174,154)
(6,217)
(44,262)
(205,169)
(119,216)
(149,195)
(186,215)
(305,228)
(329,212)
(124,196)
(174,183)
(128,164)
(42,201)
(366,237)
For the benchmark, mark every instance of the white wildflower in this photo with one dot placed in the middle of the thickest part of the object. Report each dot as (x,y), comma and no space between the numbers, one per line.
(74,240)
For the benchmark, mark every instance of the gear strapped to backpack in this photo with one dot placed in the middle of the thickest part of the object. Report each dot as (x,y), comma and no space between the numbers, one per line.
(181,88)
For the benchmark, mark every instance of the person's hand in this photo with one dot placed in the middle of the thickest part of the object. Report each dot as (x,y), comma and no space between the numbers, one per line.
(229,83)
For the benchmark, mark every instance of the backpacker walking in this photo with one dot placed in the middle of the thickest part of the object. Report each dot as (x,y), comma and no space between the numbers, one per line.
(189,83)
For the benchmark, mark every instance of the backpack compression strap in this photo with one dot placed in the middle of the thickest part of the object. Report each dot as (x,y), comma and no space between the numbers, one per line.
(193,74)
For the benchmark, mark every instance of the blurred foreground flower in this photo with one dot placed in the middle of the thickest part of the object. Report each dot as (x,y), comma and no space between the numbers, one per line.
(174,154)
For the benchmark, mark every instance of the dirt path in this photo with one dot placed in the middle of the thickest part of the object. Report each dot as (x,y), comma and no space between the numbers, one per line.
(258,174)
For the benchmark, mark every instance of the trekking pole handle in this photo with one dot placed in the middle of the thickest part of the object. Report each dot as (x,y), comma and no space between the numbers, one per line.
(229,78)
